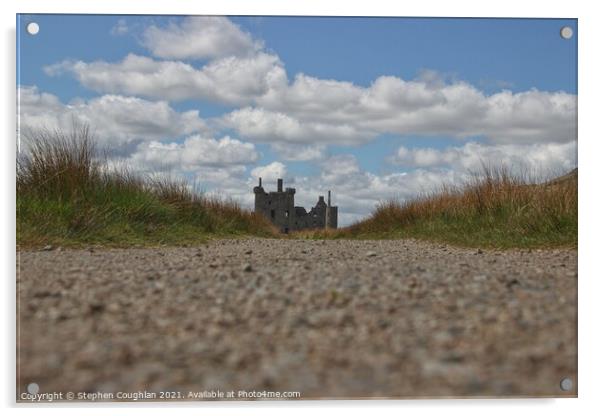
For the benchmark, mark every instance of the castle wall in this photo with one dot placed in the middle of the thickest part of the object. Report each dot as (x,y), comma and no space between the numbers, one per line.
(302,222)
(332,217)
(279,208)
(318,214)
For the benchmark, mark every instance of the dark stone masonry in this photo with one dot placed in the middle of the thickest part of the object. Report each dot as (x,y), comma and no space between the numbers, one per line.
(279,207)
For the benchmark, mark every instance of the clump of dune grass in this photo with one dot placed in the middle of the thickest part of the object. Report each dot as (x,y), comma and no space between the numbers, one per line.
(494,209)
(67,195)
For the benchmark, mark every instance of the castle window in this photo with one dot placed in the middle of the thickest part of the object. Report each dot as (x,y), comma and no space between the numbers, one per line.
(286,213)
(273,213)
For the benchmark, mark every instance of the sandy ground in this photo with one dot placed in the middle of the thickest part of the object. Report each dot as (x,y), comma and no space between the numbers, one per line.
(327,319)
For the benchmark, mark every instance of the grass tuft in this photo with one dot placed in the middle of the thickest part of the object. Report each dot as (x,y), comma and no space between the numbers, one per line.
(67,195)
(494,209)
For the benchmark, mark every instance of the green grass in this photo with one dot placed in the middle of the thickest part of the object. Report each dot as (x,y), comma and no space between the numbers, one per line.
(67,196)
(495,210)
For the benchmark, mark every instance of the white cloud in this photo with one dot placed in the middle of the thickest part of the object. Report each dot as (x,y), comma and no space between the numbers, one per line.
(422,157)
(271,172)
(339,167)
(311,110)
(115,120)
(225,176)
(195,153)
(274,127)
(537,158)
(217,167)
(309,97)
(530,116)
(199,37)
(357,192)
(121,28)
(299,153)
(423,107)
(233,80)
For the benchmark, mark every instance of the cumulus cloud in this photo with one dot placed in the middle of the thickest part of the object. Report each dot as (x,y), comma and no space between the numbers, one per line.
(536,158)
(199,37)
(231,80)
(357,192)
(116,120)
(362,190)
(312,97)
(311,110)
(265,126)
(299,153)
(195,153)
(271,172)
(423,107)
(218,167)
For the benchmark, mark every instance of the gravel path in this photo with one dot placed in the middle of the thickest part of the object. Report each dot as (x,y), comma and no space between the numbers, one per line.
(332,319)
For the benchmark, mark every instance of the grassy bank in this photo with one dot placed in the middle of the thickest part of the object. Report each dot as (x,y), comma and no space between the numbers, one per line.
(67,196)
(496,209)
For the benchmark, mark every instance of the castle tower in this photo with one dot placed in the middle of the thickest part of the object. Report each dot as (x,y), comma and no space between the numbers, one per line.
(331,215)
(260,197)
(278,207)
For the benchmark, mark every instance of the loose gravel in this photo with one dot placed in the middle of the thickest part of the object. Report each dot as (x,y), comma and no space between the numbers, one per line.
(327,319)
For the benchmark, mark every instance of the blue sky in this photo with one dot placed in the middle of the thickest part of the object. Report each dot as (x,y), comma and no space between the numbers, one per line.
(453,91)
(517,54)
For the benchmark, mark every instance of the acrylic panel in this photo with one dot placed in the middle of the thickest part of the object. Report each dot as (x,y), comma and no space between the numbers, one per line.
(290,208)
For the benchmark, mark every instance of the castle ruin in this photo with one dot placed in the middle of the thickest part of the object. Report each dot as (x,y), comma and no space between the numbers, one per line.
(279,207)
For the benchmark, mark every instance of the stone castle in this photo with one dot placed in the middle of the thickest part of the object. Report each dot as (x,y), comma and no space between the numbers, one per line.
(279,207)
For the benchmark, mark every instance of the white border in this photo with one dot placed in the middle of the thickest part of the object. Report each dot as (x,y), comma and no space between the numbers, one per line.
(589,151)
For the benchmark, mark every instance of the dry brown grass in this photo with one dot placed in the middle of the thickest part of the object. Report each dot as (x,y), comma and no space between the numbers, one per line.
(496,208)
